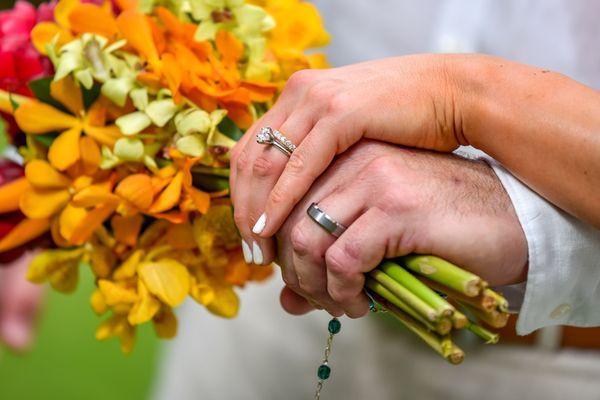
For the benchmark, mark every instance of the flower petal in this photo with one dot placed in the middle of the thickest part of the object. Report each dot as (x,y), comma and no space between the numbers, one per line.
(165,324)
(133,123)
(43,203)
(135,28)
(64,151)
(226,303)
(23,232)
(68,93)
(167,279)
(70,218)
(10,193)
(170,196)
(90,155)
(62,10)
(94,195)
(35,117)
(44,32)
(137,189)
(145,308)
(127,229)
(128,268)
(92,221)
(41,175)
(161,111)
(181,236)
(91,18)
(98,303)
(106,135)
(116,293)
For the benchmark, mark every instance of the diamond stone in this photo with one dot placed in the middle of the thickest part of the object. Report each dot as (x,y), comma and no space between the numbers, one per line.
(265,136)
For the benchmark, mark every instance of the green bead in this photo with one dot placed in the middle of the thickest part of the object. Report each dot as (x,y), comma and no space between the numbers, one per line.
(324,371)
(334,326)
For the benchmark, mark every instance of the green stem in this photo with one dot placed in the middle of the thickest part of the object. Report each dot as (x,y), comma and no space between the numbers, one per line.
(483,301)
(488,336)
(441,345)
(445,273)
(418,288)
(500,301)
(494,318)
(406,295)
(459,320)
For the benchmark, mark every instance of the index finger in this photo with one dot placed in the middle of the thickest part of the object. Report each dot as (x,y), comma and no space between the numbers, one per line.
(310,159)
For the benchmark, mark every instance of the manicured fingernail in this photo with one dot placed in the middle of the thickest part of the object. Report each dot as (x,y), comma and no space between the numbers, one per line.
(260,224)
(247,252)
(257,254)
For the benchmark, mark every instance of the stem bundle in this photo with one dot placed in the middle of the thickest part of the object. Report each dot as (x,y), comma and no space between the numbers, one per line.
(424,292)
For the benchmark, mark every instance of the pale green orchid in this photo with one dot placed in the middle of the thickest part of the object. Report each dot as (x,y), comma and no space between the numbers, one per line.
(130,150)
(157,112)
(197,130)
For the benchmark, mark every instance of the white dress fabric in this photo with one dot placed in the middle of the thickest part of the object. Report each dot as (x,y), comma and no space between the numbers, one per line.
(266,354)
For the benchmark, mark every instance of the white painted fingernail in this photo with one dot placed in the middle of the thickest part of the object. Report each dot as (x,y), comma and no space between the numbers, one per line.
(260,224)
(257,254)
(247,252)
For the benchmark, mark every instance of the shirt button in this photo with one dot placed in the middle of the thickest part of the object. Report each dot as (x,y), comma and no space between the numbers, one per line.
(560,311)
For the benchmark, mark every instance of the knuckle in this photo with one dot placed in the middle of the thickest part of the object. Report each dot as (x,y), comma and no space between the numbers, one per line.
(242,161)
(338,103)
(299,79)
(262,167)
(296,164)
(380,166)
(239,217)
(299,241)
(280,196)
(336,261)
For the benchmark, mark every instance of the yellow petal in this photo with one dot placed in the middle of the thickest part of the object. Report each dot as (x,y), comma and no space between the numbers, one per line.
(69,220)
(237,271)
(128,268)
(62,10)
(94,195)
(68,93)
(44,32)
(93,19)
(145,307)
(65,279)
(49,261)
(98,303)
(41,175)
(43,203)
(167,279)
(170,196)
(64,151)
(153,233)
(23,232)
(226,302)
(102,260)
(106,135)
(137,189)
(127,229)
(202,292)
(35,117)
(92,221)
(10,193)
(90,155)
(165,324)
(116,293)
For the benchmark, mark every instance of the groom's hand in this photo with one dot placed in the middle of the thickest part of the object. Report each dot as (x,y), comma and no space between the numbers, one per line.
(397,201)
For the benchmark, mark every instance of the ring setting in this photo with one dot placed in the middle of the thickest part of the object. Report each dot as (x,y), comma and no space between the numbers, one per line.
(272,137)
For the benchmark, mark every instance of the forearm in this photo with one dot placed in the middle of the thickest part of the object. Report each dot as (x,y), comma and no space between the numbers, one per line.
(542,126)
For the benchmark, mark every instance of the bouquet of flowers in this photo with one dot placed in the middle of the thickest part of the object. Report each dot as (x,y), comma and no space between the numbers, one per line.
(126,143)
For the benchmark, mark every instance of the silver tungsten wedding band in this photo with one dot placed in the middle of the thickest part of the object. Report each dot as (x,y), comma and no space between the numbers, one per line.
(325,221)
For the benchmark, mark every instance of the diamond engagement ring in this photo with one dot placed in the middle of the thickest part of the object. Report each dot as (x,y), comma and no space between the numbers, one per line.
(275,138)
(325,221)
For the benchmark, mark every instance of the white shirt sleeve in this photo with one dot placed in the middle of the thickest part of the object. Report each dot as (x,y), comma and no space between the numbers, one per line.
(563,282)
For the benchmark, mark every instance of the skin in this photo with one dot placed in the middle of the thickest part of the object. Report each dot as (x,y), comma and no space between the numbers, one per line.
(397,201)
(540,125)
(20,301)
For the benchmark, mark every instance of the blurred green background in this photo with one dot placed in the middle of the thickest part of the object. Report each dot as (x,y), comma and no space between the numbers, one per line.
(67,362)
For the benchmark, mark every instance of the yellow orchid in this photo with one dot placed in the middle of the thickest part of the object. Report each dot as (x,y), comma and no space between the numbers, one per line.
(79,205)
(36,118)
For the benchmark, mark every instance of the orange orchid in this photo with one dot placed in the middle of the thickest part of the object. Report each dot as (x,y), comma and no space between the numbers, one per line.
(36,118)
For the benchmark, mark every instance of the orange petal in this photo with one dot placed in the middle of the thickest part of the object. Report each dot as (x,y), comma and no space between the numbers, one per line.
(94,19)
(126,4)
(237,271)
(201,199)
(44,32)
(41,175)
(126,229)
(230,48)
(68,93)
(173,74)
(90,154)
(10,193)
(106,135)
(56,236)
(64,151)
(137,31)
(23,232)
(137,189)
(260,91)
(91,222)
(181,236)
(94,195)
(36,117)
(43,203)
(70,218)
(240,115)
(170,196)
(174,217)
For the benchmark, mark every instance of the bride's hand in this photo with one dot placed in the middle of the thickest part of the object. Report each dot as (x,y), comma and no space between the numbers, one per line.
(394,202)
(407,100)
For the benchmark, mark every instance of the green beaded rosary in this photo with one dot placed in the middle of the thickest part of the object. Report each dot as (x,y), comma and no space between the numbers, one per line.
(334,327)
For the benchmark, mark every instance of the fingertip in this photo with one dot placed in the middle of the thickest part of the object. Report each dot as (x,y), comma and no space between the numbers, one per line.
(293,303)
